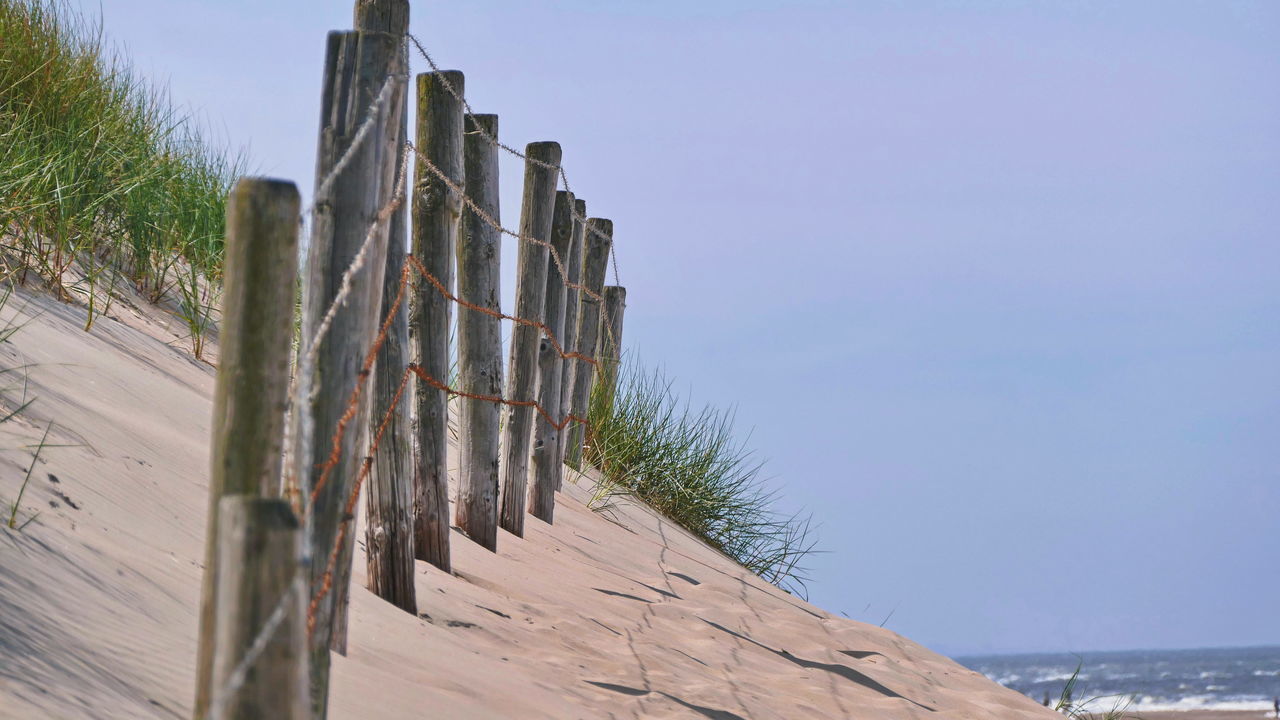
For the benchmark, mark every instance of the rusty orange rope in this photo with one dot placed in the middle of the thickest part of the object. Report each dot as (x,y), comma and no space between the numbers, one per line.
(326,583)
(498,314)
(471,205)
(335,452)
(353,403)
(426,378)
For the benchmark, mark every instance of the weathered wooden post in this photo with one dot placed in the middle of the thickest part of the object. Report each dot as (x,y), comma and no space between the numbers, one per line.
(595,262)
(437,214)
(536,210)
(253,373)
(479,336)
(259,592)
(572,297)
(547,462)
(389,509)
(351,208)
(610,353)
(388,16)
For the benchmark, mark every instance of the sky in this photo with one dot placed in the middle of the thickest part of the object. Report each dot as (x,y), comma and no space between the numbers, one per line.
(992,286)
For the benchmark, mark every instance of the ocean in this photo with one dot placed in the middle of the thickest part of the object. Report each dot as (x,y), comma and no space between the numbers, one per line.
(1207,679)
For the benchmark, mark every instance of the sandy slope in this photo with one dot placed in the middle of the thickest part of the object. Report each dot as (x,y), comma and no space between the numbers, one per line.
(624,616)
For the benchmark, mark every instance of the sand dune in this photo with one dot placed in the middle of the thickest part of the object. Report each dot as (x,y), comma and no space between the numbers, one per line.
(614,614)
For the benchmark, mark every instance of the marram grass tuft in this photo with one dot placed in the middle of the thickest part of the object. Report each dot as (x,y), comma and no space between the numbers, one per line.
(687,465)
(100,176)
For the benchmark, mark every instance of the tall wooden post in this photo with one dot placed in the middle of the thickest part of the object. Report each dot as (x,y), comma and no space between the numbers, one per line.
(547,462)
(259,547)
(437,214)
(388,16)
(389,509)
(347,212)
(536,210)
(610,353)
(571,307)
(479,337)
(253,373)
(595,262)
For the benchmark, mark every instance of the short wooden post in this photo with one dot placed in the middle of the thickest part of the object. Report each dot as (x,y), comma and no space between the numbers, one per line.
(437,214)
(253,373)
(537,208)
(349,207)
(610,353)
(571,306)
(259,546)
(389,509)
(479,337)
(595,262)
(547,462)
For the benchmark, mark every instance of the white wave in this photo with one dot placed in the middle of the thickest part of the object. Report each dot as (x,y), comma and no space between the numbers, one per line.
(1198,702)
(1055,677)
(1266,673)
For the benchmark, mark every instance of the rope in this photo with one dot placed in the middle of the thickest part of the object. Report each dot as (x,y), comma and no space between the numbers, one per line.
(564,178)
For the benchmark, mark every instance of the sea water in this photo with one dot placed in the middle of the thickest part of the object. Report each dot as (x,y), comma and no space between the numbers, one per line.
(1211,679)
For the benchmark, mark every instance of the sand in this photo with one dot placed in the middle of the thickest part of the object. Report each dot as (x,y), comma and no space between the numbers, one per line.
(615,614)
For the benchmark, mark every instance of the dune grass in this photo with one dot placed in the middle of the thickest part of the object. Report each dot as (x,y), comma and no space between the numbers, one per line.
(1071,706)
(687,465)
(100,175)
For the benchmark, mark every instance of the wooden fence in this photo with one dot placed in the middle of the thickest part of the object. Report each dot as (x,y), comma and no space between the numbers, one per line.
(365,399)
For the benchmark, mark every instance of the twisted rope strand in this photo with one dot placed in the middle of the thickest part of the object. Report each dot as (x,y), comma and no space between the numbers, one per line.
(426,163)
(564,178)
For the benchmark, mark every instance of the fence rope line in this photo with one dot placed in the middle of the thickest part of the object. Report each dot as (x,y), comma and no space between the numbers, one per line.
(489,220)
(310,351)
(357,263)
(237,678)
(348,517)
(353,400)
(312,347)
(240,673)
(413,369)
(372,113)
(366,368)
(564,178)
(424,376)
(348,512)
(439,286)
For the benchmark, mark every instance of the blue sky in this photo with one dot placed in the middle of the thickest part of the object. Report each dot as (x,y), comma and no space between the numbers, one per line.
(994,283)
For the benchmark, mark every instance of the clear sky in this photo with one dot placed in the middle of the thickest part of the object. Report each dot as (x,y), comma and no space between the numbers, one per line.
(997,284)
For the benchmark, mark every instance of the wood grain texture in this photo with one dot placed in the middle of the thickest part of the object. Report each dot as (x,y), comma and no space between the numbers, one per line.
(609,355)
(259,546)
(536,211)
(357,66)
(595,262)
(388,16)
(251,395)
(389,507)
(572,300)
(547,461)
(479,338)
(437,215)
